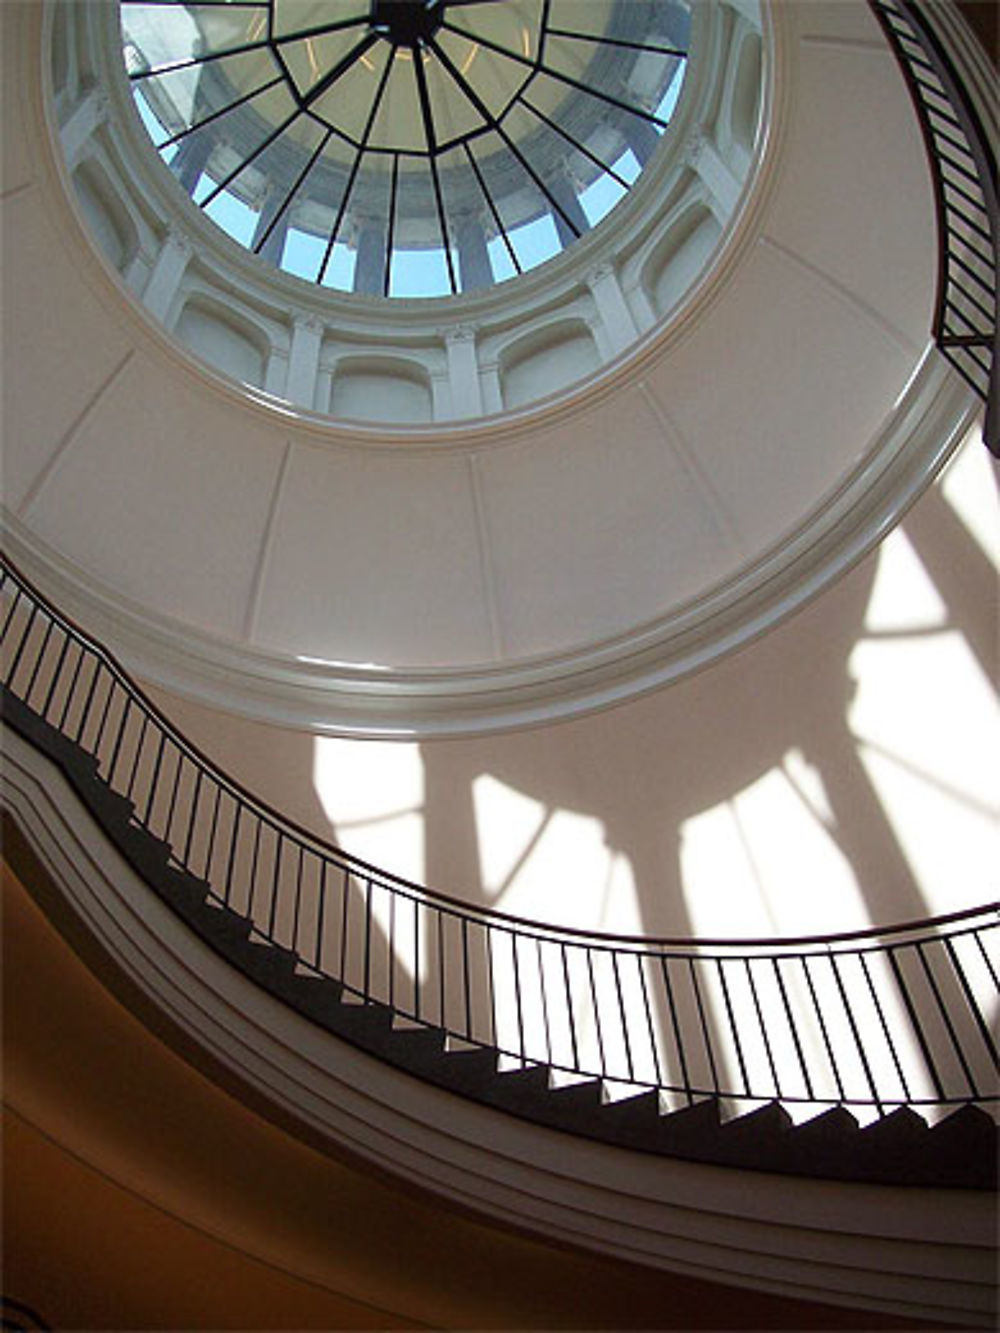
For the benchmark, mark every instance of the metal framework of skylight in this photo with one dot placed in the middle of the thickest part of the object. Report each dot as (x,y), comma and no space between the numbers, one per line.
(406,147)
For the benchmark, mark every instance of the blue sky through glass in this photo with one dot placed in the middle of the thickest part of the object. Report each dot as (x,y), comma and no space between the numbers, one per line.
(416,272)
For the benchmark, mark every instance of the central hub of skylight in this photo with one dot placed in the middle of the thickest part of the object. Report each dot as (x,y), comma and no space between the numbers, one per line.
(407,22)
(406,147)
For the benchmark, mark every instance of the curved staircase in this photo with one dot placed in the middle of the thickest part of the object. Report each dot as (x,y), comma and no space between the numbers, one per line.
(57,685)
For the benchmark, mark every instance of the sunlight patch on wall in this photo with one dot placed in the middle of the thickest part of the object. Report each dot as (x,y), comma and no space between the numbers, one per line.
(550,865)
(766,862)
(373,794)
(903,598)
(555,866)
(970,487)
(928,728)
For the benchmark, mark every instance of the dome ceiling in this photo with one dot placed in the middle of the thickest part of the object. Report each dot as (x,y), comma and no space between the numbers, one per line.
(406,147)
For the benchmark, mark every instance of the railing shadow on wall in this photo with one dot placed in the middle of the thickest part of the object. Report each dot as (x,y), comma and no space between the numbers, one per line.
(872,1019)
(964,172)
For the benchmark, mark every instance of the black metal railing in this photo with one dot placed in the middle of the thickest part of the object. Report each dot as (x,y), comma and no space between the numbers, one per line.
(880,1018)
(963,168)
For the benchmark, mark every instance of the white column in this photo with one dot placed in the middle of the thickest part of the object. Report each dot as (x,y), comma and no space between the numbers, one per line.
(489,383)
(168,272)
(303,361)
(136,271)
(441,395)
(84,119)
(716,176)
(276,374)
(749,10)
(463,372)
(616,317)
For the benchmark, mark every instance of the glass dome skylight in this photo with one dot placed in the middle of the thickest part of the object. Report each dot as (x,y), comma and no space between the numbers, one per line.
(406,147)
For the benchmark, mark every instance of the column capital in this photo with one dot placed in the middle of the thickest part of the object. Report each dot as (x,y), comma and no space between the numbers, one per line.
(179,242)
(598,274)
(460,333)
(699,143)
(308,323)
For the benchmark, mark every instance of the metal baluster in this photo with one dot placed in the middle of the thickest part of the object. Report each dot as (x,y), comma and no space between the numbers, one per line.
(804,960)
(174,793)
(213,829)
(732,1025)
(155,778)
(120,738)
(984,1031)
(39,658)
(986,958)
(231,859)
(253,878)
(653,1043)
(88,703)
(441,963)
(272,915)
(832,958)
(517,993)
(368,936)
(569,1006)
(915,1022)
(71,692)
(192,819)
(416,958)
(943,1010)
(704,1025)
(793,1028)
(668,987)
(105,714)
(130,789)
(763,1028)
(297,908)
(885,1026)
(320,914)
(392,951)
(343,924)
(622,1016)
(56,676)
(491,988)
(8,618)
(465,977)
(22,643)
(545,1001)
(597,1012)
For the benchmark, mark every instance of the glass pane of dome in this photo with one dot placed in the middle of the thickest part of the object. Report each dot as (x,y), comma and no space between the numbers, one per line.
(411,147)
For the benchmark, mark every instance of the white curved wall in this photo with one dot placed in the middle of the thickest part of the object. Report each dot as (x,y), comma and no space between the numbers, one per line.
(535,535)
(834,775)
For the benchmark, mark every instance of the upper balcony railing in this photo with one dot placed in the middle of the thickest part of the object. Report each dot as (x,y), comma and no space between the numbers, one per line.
(964,172)
(878,1018)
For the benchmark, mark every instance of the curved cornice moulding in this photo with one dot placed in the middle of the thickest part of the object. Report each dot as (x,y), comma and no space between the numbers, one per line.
(922,431)
(915,1252)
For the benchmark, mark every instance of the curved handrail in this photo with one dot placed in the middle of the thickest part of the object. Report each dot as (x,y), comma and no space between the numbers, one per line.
(883,1017)
(964,173)
(358,865)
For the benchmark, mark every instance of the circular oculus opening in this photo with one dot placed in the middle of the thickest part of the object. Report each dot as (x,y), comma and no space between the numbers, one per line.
(406,148)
